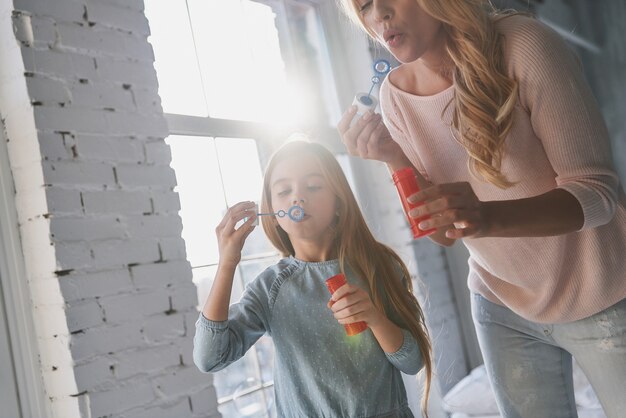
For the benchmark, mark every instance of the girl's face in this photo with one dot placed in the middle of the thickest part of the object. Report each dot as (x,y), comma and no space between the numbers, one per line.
(402,26)
(299,181)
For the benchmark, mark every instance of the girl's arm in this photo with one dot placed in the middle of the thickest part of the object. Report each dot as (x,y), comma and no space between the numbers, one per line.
(223,333)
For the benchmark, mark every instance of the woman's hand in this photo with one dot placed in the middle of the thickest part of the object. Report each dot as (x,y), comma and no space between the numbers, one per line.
(369,138)
(230,240)
(453,207)
(352,304)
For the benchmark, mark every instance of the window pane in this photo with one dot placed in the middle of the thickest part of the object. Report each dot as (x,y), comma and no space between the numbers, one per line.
(180,86)
(244,73)
(201,195)
(243,180)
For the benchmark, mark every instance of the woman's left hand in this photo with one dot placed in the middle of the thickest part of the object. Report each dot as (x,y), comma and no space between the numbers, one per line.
(453,207)
(352,304)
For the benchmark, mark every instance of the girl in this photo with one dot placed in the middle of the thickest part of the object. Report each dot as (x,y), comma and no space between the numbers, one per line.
(319,371)
(493,113)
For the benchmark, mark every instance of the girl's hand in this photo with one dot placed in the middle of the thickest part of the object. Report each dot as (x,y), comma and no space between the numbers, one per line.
(230,240)
(369,138)
(352,304)
(453,207)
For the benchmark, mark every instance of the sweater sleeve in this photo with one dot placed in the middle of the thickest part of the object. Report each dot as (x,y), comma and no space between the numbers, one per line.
(217,344)
(408,358)
(565,116)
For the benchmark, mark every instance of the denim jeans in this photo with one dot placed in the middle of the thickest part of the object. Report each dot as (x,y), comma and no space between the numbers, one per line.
(530,364)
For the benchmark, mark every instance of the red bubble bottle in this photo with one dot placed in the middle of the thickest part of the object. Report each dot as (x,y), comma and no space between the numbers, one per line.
(335,283)
(406,183)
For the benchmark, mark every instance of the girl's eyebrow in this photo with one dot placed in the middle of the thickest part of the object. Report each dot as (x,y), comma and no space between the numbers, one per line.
(288,178)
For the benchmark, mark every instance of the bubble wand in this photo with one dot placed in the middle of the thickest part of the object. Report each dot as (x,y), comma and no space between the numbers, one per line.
(295,213)
(365,101)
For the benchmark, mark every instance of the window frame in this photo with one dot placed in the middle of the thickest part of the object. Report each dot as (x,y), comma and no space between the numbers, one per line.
(264,134)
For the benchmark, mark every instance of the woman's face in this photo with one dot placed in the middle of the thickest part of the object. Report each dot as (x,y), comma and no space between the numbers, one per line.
(402,26)
(299,181)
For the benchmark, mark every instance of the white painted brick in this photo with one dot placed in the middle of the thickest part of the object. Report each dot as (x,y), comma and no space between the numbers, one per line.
(164,328)
(140,175)
(115,16)
(158,152)
(102,41)
(86,229)
(51,321)
(165,202)
(126,123)
(65,10)
(166,409)
(148,360)
(63,201)
(186,347)
(93,374)
(65,65)
(53,146)
(109,148)
(180,380)
(73,256)
(204,403)
(172,248)
(161,274)
(22,146)
(77,286)
(116,201)
(82,315)
(147,226)
(44,31)
(59,383)
(135,5)
(121,399)
(118,309)
(101,95)
(133,72)
(147,100)
(106,339)
(78,173)
(47,90)
(185,298)
(46,292)
(34,203)
(70,119)
(117,252)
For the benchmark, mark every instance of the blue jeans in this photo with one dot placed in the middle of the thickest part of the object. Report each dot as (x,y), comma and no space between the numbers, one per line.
(530,364)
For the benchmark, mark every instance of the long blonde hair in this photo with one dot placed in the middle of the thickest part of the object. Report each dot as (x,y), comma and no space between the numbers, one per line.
(378,265)
(485,96)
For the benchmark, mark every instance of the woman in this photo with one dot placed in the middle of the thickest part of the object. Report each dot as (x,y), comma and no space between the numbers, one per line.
(492,111)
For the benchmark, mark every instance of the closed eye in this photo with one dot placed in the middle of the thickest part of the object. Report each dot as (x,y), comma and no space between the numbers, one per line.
(283,192)
(365,6)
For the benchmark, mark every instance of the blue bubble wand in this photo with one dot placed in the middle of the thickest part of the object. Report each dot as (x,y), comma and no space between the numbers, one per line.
(295,213)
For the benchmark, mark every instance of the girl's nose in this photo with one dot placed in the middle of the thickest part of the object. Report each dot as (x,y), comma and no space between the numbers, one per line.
(298,201)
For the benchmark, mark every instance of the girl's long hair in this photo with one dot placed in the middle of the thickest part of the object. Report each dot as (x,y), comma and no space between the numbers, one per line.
(378,265)
(485,96)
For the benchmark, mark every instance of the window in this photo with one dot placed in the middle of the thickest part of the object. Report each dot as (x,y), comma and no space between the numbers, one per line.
(233,76)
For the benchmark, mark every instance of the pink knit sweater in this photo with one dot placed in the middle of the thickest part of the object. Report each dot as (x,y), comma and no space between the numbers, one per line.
(559,140)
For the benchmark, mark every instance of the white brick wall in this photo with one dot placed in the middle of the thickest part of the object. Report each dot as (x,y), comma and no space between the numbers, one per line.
(111,289)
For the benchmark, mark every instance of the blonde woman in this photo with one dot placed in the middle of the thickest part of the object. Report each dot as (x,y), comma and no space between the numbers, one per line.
(318,370)
(493,113)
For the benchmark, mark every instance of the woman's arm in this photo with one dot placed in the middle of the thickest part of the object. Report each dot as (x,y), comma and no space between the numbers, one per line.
(461,214)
